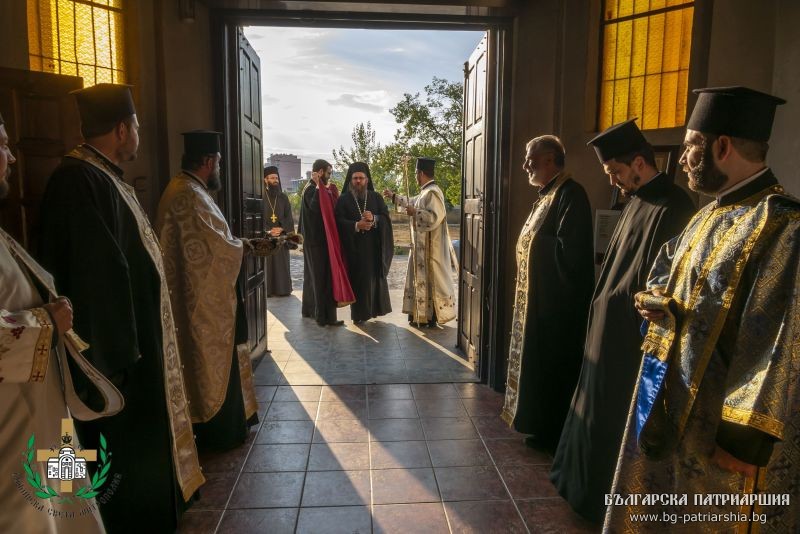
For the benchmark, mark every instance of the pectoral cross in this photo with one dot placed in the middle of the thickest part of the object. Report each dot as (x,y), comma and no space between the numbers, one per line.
(274,218)
(67,431)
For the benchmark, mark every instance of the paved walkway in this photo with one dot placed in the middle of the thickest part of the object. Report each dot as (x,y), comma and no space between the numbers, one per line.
(374,429)
(383,351)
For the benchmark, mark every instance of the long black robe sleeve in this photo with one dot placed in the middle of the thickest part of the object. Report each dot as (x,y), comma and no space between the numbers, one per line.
(79,247)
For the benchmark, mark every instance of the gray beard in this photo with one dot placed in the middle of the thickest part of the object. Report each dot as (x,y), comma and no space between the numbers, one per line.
(214,183)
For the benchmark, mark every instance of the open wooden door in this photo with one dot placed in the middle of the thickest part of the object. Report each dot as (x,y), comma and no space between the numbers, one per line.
(42,124)
(470,295)
(245,186)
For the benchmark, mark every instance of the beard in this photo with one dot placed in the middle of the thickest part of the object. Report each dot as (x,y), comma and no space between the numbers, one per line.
(273,189)
(360,192)
(214,182)
(4,185)
(706,177)
(629,190)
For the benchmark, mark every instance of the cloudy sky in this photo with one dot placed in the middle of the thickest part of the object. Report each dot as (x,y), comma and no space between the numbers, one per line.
(318,83)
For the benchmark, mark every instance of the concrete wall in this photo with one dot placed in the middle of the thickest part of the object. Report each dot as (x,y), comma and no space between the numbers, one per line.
(784,154)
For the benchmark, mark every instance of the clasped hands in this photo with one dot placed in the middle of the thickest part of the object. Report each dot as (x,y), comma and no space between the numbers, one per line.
(367,221)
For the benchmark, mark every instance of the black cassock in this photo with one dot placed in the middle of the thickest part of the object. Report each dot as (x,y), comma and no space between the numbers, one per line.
(90,243)
(587,453)
(369,254)
(279,279)
(317,285)
(561,274)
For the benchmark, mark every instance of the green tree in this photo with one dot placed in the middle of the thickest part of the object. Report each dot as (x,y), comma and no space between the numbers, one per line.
(364,148)
(431,126)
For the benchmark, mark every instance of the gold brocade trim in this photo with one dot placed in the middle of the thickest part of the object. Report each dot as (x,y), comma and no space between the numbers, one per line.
(727,299)
(756,420)
(525,241)
(247,382)
(184,451)
(41,354)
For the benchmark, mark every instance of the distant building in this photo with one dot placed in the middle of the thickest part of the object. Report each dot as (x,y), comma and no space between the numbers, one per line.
(288,168)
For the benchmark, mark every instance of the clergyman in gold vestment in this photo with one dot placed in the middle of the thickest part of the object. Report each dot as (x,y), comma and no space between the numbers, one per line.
(713,436)
(202,260)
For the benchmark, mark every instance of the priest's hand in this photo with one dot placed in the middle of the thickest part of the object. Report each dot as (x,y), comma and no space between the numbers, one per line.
(368,216)
(388,194)
(363,225)
(60,311)
(650,315)
(275,232)
(411,210)
(728,462)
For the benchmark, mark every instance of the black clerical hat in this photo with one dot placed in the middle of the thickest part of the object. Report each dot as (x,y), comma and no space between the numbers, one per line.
(104,104)
(426,165)
(618,140)
(735,111)
(201,142)
(271,169)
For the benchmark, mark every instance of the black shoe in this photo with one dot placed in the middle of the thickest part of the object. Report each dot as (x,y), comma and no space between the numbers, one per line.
(336,323)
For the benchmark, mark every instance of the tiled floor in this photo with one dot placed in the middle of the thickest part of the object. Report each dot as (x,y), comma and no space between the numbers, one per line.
(374,457)
(382,351)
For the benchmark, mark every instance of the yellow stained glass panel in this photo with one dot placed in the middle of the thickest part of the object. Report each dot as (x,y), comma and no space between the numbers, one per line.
(79,38)
(639,53)
(669,100)
(34,39)
(652,100)
(640,6)
(645,66)
(66,31)
(686,39)
(636,98)
(610,10)
(655,48)
(610,46)
(625,8)
(102,37)
(624,41)
(672,42)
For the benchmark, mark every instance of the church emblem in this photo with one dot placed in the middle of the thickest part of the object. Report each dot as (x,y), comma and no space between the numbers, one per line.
(65,464)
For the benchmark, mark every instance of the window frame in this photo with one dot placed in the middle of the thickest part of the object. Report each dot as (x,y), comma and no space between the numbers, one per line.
(119,75)
(701,18)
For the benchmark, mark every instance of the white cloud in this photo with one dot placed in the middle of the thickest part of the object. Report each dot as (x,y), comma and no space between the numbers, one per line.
(317,84)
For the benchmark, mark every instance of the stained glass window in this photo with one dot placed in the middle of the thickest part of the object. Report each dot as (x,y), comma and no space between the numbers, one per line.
(646,48)
(79,38)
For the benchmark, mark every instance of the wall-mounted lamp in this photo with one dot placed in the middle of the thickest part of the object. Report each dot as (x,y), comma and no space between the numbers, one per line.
(186,10)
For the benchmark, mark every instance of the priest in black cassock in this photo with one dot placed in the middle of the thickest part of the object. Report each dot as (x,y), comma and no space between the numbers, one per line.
(554,285)
(98,244)
(368,243)
(278,220)
(325,282)
(657,211)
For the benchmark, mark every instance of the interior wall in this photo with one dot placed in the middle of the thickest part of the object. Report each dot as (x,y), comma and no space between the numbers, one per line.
(784,154)
(188,83)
